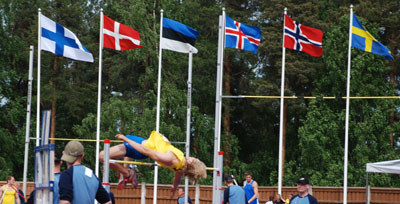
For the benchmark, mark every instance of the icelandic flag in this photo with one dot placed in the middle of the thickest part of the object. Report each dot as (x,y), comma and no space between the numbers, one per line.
(302,38)
(241,36)
(61,41)
(178,37)
(363,40)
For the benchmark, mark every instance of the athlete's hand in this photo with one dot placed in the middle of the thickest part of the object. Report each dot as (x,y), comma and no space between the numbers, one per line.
(120,137)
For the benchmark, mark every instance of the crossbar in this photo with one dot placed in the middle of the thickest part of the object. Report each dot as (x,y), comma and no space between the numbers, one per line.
(314,97)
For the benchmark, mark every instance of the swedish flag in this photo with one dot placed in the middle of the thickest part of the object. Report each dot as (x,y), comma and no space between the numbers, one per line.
(363,40)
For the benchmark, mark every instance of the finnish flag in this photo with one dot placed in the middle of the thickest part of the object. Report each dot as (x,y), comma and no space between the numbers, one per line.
(61,41)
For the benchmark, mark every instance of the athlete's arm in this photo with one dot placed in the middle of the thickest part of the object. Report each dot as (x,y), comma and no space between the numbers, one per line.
(175,182)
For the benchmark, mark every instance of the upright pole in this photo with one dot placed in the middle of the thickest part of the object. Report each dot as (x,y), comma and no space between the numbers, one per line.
(219,175)
(99,93)
(367,200)
(38,79)
(106,167)
(346,137)
(218,106)
(158,104)
(280,169)
(28,117)
(188,116)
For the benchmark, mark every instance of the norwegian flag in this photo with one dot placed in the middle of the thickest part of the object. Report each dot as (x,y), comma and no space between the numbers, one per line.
(241,36)
(118,36)
(302,38)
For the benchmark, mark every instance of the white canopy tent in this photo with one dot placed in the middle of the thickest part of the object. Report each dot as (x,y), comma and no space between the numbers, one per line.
(389,167)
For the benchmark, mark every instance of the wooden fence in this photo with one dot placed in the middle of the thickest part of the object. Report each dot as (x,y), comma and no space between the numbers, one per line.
(325,195)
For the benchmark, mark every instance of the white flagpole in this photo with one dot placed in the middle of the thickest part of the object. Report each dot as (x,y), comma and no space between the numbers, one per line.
(188,116)
(281,110)
(38,79)
(346,137)
(218,109)
(158,104)
(99,93)
(217,102)
(28,117)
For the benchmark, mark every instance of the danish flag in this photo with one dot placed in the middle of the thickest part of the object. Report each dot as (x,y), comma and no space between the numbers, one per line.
(241,36)
(118,36)
(302,38)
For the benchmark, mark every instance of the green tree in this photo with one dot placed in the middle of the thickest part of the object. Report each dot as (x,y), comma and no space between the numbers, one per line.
(322,136)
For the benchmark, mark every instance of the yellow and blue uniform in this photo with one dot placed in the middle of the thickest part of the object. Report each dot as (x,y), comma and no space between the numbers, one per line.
(132,152)
(156,142)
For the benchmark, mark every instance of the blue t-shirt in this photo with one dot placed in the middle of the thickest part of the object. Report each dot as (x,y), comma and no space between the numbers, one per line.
(308,199)
(79,185)
(248,188)
(234,195)
(130,151)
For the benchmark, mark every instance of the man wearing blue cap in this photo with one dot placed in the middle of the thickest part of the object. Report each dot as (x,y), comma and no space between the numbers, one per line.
(303,197)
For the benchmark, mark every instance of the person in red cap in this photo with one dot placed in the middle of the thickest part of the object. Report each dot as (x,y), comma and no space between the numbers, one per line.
(303,197)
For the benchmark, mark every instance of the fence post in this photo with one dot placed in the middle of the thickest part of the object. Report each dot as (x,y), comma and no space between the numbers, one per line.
(197,198)
(143,197)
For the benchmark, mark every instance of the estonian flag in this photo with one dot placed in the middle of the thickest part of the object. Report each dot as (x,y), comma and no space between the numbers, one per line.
(363,40)
(178,37)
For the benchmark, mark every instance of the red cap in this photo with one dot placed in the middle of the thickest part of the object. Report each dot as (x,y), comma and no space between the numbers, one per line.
(107,141)
(221,153)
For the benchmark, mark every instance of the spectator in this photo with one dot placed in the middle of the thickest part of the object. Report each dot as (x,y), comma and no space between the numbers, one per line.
(57,173)
(8,192)
(78,184)
(287,201)
(251,188)
(112,197)
(20,193)
(181,197)
(233,194)
(278,199)
(303,197)
(271,200)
